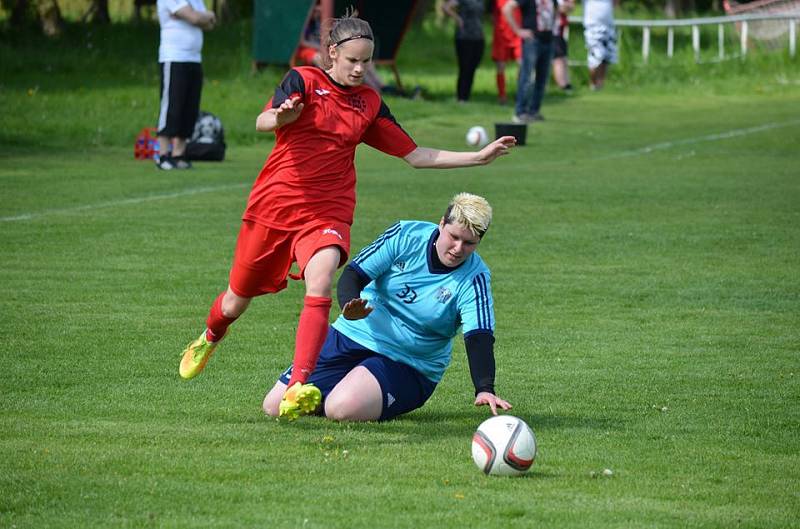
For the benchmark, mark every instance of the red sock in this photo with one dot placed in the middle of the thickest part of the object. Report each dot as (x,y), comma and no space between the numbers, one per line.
(217,322)
(501,85)
(311,332)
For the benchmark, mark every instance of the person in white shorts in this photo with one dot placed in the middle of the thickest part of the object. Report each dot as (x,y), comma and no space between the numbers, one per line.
(601,38)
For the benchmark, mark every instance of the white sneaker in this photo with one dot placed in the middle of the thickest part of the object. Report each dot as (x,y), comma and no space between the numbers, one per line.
(181,162)
(166,163)
(521,118)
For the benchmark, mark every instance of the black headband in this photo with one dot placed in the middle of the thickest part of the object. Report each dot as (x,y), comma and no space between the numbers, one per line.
(354,37)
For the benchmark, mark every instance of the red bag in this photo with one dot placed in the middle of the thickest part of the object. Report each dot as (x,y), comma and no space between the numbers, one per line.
(146,146)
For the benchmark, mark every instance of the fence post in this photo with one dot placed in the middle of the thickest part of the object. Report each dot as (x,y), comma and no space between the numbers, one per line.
(721,41)
(670,41)
(792,37)
(744,38)
(645,42)
(696,42)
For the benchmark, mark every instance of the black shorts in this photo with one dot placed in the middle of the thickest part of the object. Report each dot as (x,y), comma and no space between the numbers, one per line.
(181,86)
(560,47)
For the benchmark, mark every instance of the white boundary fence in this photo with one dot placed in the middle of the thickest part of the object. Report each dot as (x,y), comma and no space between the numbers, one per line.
(744,21)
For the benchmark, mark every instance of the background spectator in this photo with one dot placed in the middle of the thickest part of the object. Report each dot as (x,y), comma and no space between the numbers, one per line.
(181,72)
(308,50)
(561,49)
(536,32)
(468,15)
(601,39)
(506,46)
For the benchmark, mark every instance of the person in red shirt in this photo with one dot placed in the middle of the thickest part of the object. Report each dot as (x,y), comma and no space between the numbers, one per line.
(506,46)
(301,205)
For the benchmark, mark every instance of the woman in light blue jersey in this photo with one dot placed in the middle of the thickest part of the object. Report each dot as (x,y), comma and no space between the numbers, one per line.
(404,298)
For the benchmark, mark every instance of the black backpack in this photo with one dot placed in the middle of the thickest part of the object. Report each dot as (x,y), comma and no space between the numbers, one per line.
(208,140)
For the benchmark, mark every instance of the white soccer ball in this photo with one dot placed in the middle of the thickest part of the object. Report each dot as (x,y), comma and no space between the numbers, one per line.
(477,137)
(504,445)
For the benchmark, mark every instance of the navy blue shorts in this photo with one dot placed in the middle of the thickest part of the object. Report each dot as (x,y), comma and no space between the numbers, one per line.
(404,388)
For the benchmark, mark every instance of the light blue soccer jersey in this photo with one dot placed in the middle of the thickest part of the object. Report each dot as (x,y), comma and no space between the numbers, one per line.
(418,306)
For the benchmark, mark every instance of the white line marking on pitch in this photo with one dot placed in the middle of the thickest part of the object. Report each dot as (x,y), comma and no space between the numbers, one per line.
(690,141)
(126,202)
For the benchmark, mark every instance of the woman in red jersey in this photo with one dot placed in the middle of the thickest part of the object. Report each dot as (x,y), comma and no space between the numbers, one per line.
(301,206)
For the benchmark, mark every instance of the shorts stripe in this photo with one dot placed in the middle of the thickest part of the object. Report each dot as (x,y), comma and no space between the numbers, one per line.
(166,68)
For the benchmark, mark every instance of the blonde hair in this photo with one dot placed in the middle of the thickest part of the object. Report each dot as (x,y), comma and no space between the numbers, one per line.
(471,211)
(349,27)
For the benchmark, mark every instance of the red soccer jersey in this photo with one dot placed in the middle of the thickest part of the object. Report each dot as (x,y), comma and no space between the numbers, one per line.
(502,31)
(310,174)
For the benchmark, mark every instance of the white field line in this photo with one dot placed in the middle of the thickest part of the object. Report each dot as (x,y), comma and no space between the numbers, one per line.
(189,192)
(125,202)
(700,139)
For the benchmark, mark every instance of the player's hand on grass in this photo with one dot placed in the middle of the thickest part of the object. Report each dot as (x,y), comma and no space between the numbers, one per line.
(485,398)
(499,147)
(288,112)
(356,309)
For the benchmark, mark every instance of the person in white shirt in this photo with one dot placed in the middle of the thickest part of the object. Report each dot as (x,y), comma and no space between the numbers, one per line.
(180,64)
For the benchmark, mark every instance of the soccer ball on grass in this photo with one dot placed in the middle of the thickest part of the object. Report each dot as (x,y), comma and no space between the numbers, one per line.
(504,445)
(477,137)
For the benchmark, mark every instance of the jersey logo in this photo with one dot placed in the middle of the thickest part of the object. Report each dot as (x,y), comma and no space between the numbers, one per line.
(443,295)
(357,102)
(408,294)
(331,231)
(322,92)
(389,400)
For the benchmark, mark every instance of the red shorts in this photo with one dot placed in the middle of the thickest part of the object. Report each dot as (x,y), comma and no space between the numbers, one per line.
(265,255)
(504,50)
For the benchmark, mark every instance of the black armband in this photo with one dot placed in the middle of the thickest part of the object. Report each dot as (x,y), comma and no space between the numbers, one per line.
(480,352)
(350,285)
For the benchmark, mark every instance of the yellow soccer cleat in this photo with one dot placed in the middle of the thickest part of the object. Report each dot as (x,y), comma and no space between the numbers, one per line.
(300,399)
(195,356)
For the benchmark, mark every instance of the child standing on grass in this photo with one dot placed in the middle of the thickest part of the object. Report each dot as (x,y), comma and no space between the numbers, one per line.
(180,65)
(601,39)
(506,47)
(301,206)
(561,48)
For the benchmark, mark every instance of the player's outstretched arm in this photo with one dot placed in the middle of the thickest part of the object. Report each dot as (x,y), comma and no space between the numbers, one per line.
(493,401)
(426,158)
(275,118)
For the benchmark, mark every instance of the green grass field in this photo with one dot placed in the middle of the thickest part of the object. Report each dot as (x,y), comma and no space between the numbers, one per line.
(644,252)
